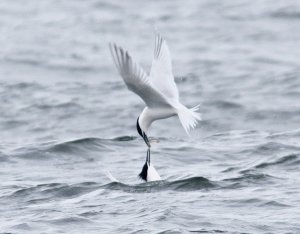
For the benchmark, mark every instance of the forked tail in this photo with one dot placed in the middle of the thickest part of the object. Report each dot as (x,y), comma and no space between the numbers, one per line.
(189,118)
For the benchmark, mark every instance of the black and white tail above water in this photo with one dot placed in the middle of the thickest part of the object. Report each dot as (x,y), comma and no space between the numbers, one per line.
(159,92)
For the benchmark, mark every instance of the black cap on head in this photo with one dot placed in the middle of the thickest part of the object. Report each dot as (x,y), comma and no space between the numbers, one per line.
(142,134)
(139,128)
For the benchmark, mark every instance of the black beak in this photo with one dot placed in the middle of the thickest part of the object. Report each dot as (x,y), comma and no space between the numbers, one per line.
(146,140)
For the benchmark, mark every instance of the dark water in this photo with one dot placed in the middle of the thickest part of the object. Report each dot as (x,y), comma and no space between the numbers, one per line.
(66,118)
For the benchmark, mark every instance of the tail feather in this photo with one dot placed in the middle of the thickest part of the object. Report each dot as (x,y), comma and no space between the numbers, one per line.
(189,118)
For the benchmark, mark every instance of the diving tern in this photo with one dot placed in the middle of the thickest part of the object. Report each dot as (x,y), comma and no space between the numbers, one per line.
(159,92)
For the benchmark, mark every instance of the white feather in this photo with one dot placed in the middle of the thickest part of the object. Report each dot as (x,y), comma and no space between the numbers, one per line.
(136,79)
(161,74)
(188,117)
(152,174)
(159,91)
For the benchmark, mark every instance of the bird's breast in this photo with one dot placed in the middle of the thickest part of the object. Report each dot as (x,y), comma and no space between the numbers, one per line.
(150,115)
(160,113)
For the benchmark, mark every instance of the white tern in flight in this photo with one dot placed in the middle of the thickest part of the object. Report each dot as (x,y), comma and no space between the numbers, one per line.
(159,92)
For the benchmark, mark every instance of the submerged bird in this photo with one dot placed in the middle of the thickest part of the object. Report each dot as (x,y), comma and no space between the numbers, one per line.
(159,92)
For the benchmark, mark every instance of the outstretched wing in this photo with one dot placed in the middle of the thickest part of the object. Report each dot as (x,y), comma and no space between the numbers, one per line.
(161,74)
(135,78)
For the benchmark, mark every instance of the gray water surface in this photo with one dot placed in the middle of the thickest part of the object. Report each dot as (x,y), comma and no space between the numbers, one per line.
(66,118)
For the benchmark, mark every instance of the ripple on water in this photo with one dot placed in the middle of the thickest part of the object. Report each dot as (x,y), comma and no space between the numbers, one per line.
(49,192)
(288,160)
(190,184)
(249,178)
(73,147)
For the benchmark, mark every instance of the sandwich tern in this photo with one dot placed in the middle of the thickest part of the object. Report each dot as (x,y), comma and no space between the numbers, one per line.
(158,91)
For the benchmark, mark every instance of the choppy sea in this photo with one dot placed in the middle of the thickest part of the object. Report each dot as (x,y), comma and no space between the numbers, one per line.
(66,118)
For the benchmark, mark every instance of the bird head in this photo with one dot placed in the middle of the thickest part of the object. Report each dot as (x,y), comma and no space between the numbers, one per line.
(142,133)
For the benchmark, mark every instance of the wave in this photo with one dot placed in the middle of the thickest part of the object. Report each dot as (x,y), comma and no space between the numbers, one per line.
(70,221)
(251,177)
(52,191)
(22,85)
(275,204)
(124,138)
(78,145)
(64,106)
(190,184)
(81,145)
(3,158)
(89,143)
(225,104)
(279,114)
(271,147)
(60,191)
(69,64)
(286,134)
(247,178)
(257,202)
(291,159)
(286,13)
(45,192)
